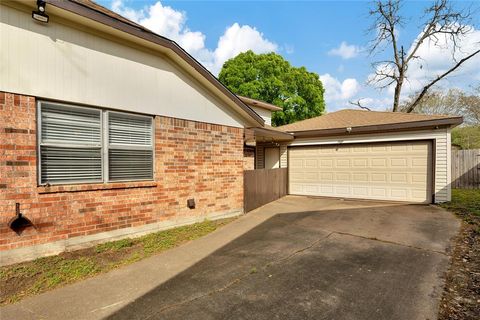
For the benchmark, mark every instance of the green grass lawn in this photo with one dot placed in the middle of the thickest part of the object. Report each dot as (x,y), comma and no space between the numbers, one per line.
(33,277)
(465,202)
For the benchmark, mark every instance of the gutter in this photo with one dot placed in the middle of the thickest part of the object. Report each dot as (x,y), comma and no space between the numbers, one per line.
(275,134)
(259,104)
(407,126)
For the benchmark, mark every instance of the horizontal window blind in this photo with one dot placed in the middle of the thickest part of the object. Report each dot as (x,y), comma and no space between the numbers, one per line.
(130,164)
(70,125)
(130,155)
(64,165)
(129,129)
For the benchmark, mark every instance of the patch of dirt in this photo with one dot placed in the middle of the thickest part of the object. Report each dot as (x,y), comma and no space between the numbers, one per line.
(461,296)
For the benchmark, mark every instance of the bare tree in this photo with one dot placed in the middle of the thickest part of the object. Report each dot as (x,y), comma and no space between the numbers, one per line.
(440,20)
(451,102)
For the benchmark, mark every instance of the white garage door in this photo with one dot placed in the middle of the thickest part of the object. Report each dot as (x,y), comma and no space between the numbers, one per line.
(399,171)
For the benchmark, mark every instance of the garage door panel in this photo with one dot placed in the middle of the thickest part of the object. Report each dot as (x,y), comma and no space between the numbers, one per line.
(342,163)
(378,163)
(360,163)
(360,191)
(311,163)
(360,177)
(326,163)
(419,178)
(379,177)
(386,171)
(326,176)
(398,148)
(377,192)
(342,177)
(399,178)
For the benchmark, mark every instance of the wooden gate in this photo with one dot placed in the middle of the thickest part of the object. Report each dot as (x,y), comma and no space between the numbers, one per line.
(466,169)
(262,186)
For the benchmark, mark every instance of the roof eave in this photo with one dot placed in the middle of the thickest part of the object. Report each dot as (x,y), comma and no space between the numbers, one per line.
(259,104)
(89,13)
(407,126)
(275,135)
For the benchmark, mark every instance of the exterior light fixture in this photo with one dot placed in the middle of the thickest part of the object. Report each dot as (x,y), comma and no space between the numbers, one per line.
(40,14)
(349,129)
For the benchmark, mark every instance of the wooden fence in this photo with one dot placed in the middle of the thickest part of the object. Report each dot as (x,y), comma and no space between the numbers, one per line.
(262,186)
(466,169)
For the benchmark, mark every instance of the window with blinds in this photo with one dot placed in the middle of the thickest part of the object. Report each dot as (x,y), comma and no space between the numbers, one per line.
(77,145)
(130,150)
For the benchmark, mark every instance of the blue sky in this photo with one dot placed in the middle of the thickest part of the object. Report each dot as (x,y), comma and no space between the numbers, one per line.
(327,37)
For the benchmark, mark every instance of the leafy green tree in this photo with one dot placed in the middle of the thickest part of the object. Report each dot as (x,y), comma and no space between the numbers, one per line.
(270,78)
(466,137)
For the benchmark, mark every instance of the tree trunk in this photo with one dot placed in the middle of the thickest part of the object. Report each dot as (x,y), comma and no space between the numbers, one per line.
(396,96)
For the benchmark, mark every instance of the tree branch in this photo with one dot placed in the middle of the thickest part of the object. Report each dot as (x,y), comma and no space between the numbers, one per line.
(358,104)
(412,106)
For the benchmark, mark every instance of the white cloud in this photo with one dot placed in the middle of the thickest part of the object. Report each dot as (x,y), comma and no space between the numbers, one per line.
(437,59)
(171,23)
(338,93)
(237,39)
(336,90)
(345,51)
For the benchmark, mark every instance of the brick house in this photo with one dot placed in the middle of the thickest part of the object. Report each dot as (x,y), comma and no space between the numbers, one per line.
(107,130)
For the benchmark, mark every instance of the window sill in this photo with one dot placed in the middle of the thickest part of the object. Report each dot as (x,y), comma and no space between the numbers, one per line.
(95,187)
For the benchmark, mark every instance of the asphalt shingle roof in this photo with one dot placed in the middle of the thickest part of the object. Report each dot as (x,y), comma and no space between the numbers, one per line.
(357,118)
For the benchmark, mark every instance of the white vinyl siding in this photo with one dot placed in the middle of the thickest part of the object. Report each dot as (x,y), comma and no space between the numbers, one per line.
(265,114)
(272,158)
(89,67)
(73,149)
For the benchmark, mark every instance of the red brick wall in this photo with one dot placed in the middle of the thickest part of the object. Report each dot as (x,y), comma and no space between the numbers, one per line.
(193,159)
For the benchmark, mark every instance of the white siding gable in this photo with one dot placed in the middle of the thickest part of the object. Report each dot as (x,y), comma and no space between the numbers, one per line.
(63,62)
(265,114)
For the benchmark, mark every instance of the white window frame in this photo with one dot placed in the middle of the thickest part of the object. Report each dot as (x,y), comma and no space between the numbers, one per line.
(104,145)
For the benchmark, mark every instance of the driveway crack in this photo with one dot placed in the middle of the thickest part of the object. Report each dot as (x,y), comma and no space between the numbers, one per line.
(237,280)
(390,242)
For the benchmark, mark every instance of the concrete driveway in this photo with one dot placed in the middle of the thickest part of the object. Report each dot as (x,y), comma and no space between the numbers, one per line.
(296,258)
(316,259)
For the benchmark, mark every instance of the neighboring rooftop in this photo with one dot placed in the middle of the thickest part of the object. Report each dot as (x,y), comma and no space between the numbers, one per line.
(260,104)
(368,119)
